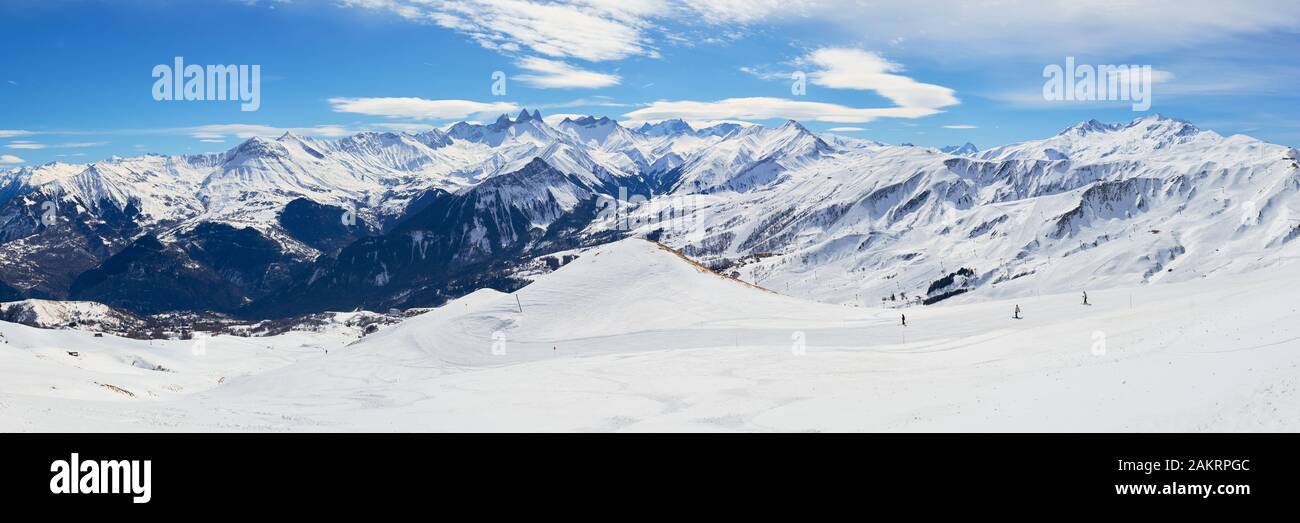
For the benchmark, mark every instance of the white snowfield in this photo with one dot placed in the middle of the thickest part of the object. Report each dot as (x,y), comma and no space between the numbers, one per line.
(632,337)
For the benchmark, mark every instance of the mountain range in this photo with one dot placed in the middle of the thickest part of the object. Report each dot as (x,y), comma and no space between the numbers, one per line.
(376,221)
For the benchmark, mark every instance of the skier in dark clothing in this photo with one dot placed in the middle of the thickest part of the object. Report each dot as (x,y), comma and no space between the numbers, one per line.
(1017,314)
(904,320)
(1085,297)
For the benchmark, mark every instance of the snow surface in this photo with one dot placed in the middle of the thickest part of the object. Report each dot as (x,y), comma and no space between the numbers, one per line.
(632,337)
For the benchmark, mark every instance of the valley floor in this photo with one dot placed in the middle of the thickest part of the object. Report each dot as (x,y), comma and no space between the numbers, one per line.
(629,337)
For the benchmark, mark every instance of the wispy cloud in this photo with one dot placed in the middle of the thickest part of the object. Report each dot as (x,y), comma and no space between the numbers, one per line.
(961,126)
(594,101)
(403,127)
(9,159)
(765,73)
(599,30)
(10,133)
(1044,28)
(846,129)
(834,68)
(592,30)
(418,108)
(549,74)
(28,144)
(766,108)
(847,68)
(207,133)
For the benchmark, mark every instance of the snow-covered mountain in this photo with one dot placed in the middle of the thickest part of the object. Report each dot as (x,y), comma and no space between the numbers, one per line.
(81,315)
(965,149)
(412,219)
(60,220)
(751,157)
(1096,206)
(633,337)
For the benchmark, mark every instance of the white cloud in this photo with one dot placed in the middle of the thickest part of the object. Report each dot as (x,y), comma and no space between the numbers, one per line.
(1045,28)
(763,73)
(1125,75)
(836,68)
(557,74)
(766,108)
(418,108)
(595,101)
(721,12)
(846,129)
(600,30)
(1032,95)
(30,145)
(10,133)
(845,68)
(404,127)
(961,126)
(592,30)
(239,130)
(11,159)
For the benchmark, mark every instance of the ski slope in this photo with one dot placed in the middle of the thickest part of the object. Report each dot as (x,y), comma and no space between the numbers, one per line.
(632,337)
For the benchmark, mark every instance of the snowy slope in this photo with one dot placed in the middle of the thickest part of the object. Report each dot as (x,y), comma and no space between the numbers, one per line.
(684,349)
(84,315)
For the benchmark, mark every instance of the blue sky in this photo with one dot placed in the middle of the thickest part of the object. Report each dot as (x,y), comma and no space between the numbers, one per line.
(76,84)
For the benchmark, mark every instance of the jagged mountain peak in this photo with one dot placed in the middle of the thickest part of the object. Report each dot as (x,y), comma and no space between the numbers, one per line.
(1089,126)
(537,164)
(602,132)
(791,124)
(1167,125)
(256,147)
(1152,121)
(722,130)
(1094,140)
(589,121)
(668,127)
(960,150)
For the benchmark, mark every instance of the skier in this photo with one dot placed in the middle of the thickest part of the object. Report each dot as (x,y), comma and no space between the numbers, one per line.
(1017,314)
(904,319)
(1085,297)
